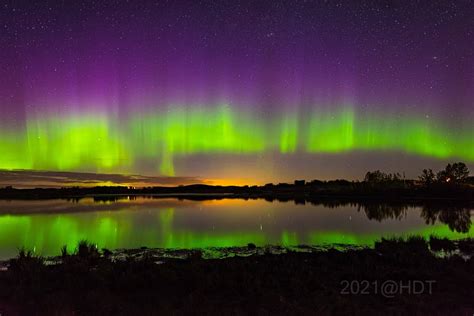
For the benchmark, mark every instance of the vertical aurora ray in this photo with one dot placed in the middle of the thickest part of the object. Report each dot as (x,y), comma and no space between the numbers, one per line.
(288,134)
(86,141)
(331,132)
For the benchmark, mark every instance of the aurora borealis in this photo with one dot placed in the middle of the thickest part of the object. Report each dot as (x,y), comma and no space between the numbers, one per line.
(69,143)
(260,91)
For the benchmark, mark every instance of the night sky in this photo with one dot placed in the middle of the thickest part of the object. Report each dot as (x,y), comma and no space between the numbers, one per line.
(236,91)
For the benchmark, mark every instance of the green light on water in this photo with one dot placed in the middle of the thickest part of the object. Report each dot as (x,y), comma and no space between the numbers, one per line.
(159,227)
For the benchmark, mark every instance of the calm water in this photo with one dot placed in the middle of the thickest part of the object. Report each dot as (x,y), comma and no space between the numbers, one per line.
(45,226)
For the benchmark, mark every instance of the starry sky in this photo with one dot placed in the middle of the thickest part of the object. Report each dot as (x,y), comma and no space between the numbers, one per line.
(236,91)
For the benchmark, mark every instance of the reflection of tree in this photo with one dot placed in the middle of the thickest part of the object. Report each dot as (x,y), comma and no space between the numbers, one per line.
(73,200)
(382,211)
(111,198)
(332,203)
(457,218)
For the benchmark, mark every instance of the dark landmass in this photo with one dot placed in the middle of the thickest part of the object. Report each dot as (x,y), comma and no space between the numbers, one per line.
(89,281)
(453,183)
(300,191)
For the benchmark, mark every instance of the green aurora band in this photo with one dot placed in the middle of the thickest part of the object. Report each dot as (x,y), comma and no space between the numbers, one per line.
(103,143)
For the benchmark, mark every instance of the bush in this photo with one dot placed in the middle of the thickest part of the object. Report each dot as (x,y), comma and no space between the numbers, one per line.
(26,263)
(466,245)
(413,245)
(437,244)
(86,250)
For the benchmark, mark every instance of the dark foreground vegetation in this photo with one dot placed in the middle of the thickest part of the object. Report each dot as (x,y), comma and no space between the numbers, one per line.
(90,281)
(453,183)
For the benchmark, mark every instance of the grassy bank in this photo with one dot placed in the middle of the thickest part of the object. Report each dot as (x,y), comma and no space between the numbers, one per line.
(90,281)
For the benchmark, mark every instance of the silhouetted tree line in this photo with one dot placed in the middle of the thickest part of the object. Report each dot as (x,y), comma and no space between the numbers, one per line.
(452,182)
(378,176)
(453,173)
(456,173)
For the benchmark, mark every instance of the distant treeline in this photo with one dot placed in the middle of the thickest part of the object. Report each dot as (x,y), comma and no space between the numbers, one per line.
(452,182)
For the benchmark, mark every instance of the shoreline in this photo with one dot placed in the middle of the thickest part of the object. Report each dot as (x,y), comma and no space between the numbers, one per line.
(212,253)
(246,196)
(407,191)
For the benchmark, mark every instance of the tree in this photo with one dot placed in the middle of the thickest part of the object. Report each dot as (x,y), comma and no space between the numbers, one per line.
(395,176)
(442,176)
(378,176)
(460,171)
(375,176)
(454,173)
(427,177)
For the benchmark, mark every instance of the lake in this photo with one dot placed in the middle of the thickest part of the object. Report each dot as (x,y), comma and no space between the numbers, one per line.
(132,222)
